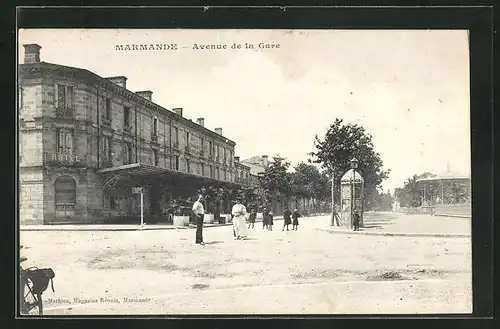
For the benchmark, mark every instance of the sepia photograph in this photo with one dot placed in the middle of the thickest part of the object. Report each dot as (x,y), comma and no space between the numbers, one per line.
(244,172)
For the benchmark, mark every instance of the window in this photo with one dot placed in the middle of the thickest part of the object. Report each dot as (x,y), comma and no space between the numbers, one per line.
(106,148)
(20,97)
(210,148)
(64,96)
(126,117)
(218,173)
(202,145)
(176,162)
(225,174)
(108,109)
(225,156)
(65,196)
(155,157)
(188,166)
(187,138)
(202,169)
(176,136)
(211,174)
(64,140)
(155,126)
(127,153)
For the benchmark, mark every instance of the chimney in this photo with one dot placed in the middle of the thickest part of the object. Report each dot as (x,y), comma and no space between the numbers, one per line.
(218,131)
(31,53)
(236,159)
(265,161)
(178,111)
(201,122)
(121,81)
(147,94)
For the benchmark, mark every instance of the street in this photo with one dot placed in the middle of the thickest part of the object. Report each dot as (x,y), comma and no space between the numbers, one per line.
(310,271)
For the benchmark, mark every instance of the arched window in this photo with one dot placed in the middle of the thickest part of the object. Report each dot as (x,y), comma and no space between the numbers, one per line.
(65,196)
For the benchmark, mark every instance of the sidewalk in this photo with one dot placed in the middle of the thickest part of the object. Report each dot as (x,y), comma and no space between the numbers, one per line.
(396,224)
(130,227)
(125,227)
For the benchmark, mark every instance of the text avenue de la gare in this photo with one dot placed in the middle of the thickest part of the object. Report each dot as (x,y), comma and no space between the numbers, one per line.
(195,46)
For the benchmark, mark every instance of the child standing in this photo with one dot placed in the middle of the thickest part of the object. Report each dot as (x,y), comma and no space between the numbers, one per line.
(356,220)
(295,217)
(251,219)
(265,218)
(287,219)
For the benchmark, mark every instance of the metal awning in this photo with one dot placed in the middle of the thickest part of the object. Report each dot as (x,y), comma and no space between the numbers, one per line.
(141,170)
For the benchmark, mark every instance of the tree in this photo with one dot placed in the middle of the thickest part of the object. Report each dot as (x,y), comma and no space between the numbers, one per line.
(343,142)
(409,194)
(308,182)
(379,201)
(275,180)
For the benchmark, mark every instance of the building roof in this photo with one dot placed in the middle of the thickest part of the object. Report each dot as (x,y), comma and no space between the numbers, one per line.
(349,175)
(448,175)
(75,72)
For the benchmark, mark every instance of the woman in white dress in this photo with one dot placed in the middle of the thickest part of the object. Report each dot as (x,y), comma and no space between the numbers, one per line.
(239,212)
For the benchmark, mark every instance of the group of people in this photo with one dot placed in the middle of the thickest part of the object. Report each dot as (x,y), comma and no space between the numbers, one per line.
(240,216)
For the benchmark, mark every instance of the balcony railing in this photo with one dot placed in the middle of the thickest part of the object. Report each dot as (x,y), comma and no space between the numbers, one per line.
(65,112)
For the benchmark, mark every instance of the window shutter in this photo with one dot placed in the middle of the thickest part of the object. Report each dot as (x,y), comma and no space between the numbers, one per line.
(56,95)
(62,140)
(69,141)
(69,96)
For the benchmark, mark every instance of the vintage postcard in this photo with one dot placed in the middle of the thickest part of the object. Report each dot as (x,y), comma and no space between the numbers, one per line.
(257,172)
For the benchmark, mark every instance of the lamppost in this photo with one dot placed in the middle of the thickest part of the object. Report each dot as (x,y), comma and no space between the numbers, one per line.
(354,166)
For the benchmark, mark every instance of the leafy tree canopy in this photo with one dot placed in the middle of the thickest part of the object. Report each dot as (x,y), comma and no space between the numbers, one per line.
(343,142)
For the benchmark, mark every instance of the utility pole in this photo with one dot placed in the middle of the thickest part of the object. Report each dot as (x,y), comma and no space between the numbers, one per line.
(333,200)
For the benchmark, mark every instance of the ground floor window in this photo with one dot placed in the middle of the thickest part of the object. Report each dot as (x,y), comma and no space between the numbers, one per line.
(65,196)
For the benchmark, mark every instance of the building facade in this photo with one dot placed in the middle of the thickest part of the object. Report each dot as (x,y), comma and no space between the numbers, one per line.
(85,141)
(257,164)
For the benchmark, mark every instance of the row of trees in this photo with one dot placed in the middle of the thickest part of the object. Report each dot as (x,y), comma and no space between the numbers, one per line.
(312,180)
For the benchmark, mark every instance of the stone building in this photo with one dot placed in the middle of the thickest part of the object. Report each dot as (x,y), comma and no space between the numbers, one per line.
(257,164)
(85,141)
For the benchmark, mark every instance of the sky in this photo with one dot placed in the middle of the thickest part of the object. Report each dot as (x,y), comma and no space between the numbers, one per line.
(408,88)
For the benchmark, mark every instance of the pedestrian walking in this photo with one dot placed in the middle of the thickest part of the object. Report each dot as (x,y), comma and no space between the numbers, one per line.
(240,214)
(265,218)
(252,218)
(288,219)
(270,221)
(199,211)
(295,217)
(356,220)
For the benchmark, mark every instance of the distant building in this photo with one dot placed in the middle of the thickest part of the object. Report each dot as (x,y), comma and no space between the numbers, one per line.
(447,194)
(257,164)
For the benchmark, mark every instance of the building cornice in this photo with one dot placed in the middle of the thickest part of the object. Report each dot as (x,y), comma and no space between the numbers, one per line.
(44,69)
